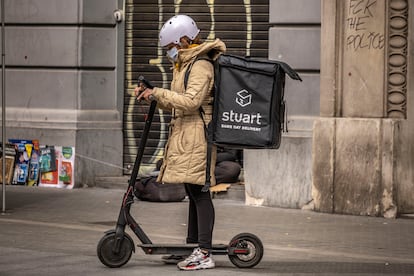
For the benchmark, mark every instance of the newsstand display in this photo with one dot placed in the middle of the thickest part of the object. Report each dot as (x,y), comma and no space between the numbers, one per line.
(31,164)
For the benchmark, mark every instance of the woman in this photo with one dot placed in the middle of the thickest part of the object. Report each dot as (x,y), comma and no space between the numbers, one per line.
(185,157)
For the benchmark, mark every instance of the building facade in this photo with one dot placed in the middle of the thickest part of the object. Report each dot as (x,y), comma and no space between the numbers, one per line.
(363,142)
(62,83)
(72,65)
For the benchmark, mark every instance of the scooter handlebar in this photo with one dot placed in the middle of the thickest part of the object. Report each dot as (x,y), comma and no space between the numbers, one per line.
(145,82)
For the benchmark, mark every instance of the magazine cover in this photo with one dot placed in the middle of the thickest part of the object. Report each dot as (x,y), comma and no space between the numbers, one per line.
(47,158)
(63,176)
(67,166)
(34,165)
(23,154)
(50,178)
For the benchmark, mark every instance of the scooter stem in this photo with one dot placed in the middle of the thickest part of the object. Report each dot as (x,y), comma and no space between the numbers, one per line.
(124,216)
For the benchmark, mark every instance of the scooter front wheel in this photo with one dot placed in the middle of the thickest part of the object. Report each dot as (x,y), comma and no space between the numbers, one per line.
(106,252)
(245,250)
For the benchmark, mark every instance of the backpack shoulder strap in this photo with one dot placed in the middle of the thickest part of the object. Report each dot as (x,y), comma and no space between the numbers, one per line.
(206,187)
(187,75)
(188,71)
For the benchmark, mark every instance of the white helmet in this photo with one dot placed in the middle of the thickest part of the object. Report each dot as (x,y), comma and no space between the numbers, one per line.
(176,27)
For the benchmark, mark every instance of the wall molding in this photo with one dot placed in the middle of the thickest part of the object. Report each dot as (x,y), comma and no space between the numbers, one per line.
(397,59)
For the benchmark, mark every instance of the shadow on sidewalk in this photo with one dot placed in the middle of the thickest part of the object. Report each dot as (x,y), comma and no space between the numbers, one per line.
(19,197)
(339,267)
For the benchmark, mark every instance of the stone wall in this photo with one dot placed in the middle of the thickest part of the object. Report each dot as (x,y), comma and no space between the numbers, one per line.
(283,177)
(405,164)
(362,153)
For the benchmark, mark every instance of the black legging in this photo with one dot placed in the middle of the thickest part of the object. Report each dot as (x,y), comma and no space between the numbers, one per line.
(200,216)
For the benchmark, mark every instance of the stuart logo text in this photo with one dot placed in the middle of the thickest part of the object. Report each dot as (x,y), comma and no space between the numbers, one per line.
(234,117)
(241,120)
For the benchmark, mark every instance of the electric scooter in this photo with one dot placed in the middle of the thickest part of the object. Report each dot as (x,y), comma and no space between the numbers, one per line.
(115,248)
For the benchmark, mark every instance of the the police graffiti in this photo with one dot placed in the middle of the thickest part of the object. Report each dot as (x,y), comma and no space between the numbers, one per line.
(360,13)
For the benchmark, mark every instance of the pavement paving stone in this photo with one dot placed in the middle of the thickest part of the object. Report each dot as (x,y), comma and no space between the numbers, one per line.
(66,225)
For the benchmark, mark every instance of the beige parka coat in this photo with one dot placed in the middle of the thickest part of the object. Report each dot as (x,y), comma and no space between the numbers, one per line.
(185,153)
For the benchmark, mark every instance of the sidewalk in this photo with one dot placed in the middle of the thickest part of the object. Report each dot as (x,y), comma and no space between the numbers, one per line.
(288,235)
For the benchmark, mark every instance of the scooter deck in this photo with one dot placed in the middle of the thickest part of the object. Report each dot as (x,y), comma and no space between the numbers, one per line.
(179,249)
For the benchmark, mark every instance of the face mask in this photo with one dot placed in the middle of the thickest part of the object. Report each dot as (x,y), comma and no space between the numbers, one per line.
(172,54)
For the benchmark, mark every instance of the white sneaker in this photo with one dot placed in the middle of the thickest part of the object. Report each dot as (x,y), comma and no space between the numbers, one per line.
(197,260)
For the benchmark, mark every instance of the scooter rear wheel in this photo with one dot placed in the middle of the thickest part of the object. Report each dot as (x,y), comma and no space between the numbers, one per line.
(107,255)
(242,242)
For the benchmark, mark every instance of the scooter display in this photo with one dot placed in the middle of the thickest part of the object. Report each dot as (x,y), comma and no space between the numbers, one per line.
(115,248)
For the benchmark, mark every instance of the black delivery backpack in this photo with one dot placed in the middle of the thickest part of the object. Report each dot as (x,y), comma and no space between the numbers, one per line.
(249,107)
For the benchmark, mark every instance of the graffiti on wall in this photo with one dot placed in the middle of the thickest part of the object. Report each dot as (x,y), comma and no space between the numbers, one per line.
(360,16)
(210,14)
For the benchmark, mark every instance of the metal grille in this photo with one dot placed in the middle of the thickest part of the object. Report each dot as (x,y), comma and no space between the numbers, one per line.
(242,25)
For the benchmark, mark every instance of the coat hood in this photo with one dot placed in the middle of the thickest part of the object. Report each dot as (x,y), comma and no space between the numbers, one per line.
(211,49)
